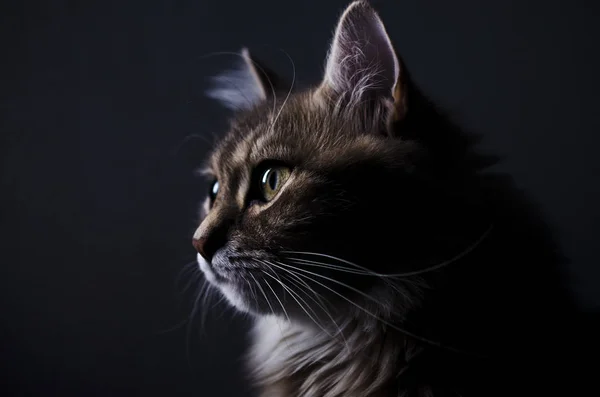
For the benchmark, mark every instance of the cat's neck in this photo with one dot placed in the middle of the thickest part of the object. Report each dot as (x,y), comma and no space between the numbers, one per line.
(294,359)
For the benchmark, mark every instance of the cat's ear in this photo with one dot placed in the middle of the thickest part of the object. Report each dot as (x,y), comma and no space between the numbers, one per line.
(245,87)
(362,63)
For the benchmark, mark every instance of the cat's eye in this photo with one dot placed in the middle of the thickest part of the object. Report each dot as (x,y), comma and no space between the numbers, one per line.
(212,192)
(272,180)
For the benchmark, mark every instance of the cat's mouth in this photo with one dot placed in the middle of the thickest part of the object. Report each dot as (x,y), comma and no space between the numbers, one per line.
(227,268)
(237,277)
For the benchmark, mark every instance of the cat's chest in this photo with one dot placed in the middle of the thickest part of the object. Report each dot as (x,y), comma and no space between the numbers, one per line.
(293,361)
(280,348)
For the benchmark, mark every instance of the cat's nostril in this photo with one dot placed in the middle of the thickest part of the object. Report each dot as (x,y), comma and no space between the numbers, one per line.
(208,246)
(209,238)
(200,244)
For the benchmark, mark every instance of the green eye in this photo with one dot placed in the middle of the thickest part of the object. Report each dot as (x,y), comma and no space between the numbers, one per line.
(272,180)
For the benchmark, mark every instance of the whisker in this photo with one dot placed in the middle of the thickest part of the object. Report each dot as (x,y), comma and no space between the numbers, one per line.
(202,293)
(316,294)
(386,279)
(252,291)
(244,55)
(330,279)
(270,305)
(263,292)
(300,280)
(189,269)
(293,295)
(289,91)
(320,305)
(383,321)
(316,300)
(364,269)
(249,286)
(278,300)
(457,257)
(269,80)
(205,297)
(330,266)
(193,279)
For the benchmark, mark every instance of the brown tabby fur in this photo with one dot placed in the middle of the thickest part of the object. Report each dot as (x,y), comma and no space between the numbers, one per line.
(382,179)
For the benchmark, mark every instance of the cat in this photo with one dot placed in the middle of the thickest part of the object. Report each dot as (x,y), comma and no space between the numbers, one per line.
(376,250)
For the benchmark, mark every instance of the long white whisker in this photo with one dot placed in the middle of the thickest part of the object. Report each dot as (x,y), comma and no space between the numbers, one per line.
(269,303)
(410,334)
(318,302)
(329,266)
(278,300)
(252,292)
(406,274)
(300,280)
(317,295)
(315,298)
(324,265)
(294,295)
(366,270)
(330,279)
(263,292)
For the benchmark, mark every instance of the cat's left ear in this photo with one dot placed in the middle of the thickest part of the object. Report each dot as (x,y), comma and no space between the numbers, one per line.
(362,64)
(245,87)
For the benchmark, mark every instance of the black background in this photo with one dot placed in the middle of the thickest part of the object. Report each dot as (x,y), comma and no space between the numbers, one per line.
(103,120)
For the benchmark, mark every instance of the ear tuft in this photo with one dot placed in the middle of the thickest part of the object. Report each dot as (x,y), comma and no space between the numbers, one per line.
(244,87)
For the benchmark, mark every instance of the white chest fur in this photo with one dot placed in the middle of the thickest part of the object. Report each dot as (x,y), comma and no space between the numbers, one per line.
(292,360)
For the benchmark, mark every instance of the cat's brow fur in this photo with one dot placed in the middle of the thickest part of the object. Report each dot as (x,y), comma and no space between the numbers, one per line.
(380,178)
(263,134)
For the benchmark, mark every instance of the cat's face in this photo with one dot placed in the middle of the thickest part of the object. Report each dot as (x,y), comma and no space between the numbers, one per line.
(312,193)
(285,191)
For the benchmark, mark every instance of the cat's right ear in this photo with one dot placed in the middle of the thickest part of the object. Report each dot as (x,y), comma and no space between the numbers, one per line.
(245,87)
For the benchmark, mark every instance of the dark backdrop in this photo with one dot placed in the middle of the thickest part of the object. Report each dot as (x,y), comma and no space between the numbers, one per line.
(103,119)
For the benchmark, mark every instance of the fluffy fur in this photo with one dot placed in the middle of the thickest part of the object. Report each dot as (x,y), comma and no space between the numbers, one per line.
(392,262)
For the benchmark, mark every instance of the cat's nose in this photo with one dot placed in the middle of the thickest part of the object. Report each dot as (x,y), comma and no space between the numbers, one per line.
(212,232)
(199,244)
(208,244)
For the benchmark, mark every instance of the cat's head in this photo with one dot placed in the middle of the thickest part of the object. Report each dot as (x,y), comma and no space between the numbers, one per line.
(315,193)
